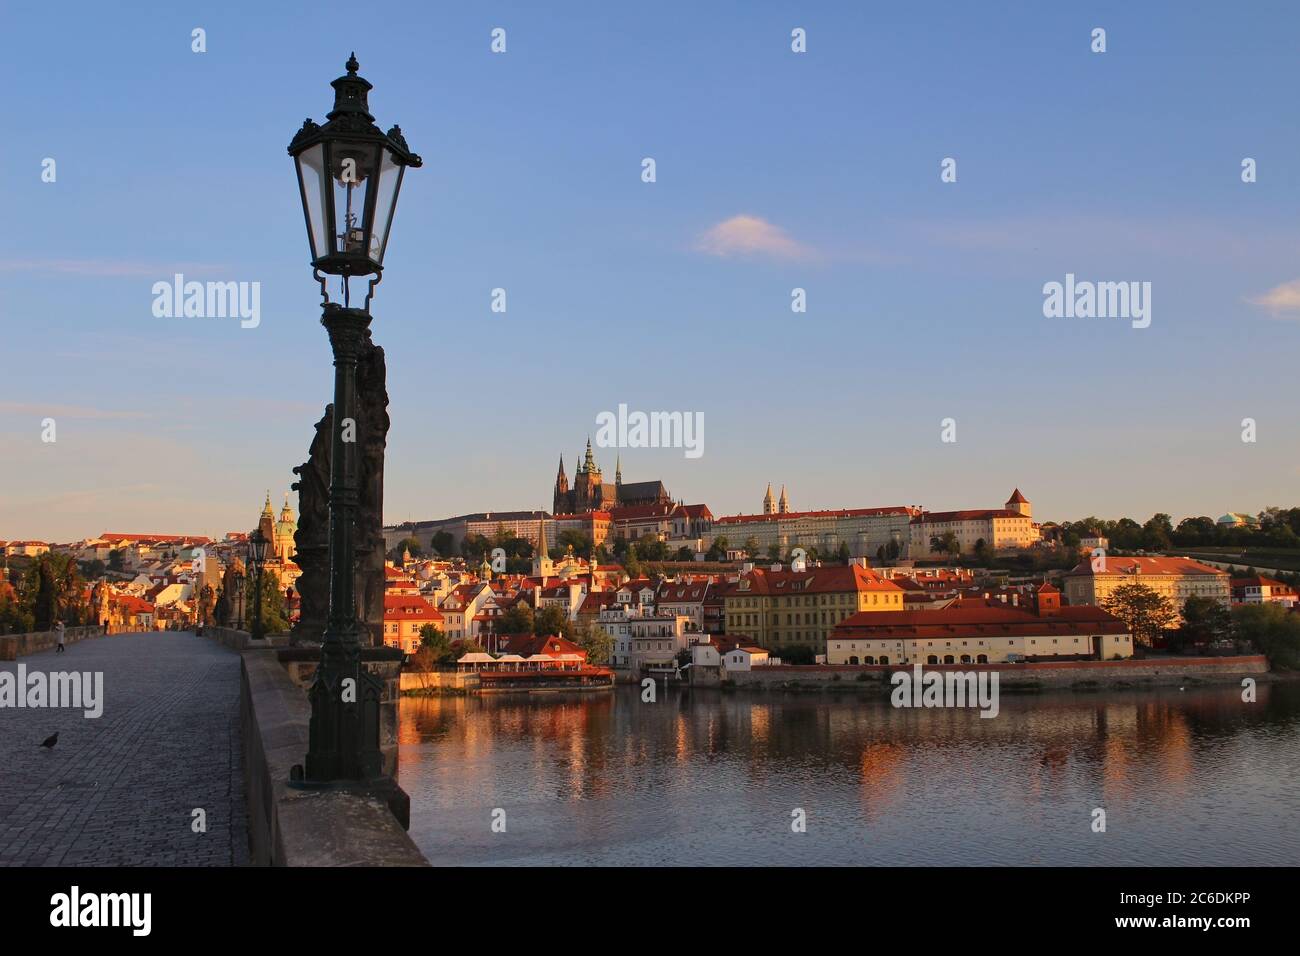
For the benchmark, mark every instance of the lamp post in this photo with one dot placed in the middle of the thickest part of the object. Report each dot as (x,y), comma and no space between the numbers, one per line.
(349,174)
(256,557)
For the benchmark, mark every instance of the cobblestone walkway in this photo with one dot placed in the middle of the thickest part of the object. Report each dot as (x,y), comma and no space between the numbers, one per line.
(121,789)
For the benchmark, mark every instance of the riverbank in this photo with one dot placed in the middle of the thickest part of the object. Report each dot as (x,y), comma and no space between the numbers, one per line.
(1042,676)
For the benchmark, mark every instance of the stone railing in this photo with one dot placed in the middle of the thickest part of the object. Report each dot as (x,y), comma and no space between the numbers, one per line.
(242,640)
(14,646)
(299,827)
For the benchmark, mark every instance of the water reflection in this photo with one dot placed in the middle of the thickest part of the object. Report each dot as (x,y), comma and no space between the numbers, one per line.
(702,777)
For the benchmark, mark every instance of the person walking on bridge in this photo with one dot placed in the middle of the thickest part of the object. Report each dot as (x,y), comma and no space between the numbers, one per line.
(59,636)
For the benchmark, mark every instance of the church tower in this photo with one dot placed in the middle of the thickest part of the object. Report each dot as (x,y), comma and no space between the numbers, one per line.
(784,506)
(285,529)
(1020,504)
(266,524)
(587,496)
(561,503)
(769,503)
(543,567)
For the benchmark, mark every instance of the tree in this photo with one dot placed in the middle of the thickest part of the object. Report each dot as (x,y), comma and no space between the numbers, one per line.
(751,547)
(685,554)
(718,550)
(595,640)
(442,544)
(774,552)
(518,619)
(551,620)
(1204,620)
(580,543)
(436,648)
(632,565)
(945,543)
(14,619)
(274,620)
(53,590)
(1157,532)
(424,662)
(1271,629)
(115,560)
(406,544)
(651,549)
(797,654)
(1144,611)
(432,637)
(844,556)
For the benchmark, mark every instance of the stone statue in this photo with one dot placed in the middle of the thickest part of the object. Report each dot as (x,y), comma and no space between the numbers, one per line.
(312,538)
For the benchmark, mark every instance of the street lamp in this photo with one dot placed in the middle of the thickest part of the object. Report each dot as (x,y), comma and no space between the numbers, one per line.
(349,174)
(256,558)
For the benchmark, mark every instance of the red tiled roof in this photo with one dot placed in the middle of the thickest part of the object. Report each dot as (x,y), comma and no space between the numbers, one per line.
(526,645)
(976,514)
(1164,565)
(823,580)
(640,512)
(840,513)
(408,607)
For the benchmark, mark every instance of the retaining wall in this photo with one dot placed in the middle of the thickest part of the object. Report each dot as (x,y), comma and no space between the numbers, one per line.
(438,682)
(1047,674)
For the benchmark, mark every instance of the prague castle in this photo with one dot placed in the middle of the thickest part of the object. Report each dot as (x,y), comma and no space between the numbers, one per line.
(590,492)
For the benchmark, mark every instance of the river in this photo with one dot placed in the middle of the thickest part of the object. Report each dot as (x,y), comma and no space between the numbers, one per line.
(1195,777)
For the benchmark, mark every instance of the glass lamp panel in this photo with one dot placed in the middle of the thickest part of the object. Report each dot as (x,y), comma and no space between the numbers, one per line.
(311,180)
(352,169)
(390,181)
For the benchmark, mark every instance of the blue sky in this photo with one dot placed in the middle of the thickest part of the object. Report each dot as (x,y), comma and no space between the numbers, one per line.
(924,298)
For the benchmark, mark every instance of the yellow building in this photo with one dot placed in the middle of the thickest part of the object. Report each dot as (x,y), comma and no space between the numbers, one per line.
(781,609)
(972,633)
(1176,579)
(1010,527)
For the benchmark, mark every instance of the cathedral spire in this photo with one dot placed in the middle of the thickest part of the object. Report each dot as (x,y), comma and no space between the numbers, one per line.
(590,461)
(769,503)
(618,470)
(784,506)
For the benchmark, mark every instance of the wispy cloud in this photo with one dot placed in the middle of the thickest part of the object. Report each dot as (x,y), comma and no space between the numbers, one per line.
(1053,233)
(1282,300)
(67,411)
(745,236)
(100,268)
